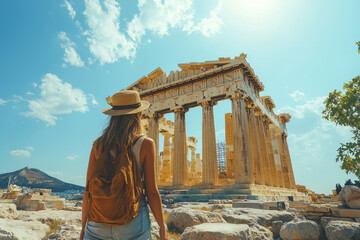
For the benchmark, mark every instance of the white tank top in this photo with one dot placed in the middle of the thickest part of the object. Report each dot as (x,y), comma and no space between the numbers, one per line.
(136,150)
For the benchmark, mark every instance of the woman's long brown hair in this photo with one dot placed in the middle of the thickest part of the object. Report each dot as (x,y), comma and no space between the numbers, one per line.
(120,134)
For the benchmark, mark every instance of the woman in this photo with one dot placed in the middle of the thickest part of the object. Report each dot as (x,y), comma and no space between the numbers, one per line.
(122,138)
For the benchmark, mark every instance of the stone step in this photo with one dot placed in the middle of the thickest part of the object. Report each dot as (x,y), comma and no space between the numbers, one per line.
(238,196)
(208,191)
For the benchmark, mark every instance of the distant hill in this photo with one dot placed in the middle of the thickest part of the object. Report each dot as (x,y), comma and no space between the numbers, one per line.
(34,178)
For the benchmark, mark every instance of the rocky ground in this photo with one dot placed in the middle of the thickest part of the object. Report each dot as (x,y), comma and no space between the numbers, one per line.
(217,219)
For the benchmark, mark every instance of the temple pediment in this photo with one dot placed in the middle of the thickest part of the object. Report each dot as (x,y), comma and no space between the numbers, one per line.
(194,72)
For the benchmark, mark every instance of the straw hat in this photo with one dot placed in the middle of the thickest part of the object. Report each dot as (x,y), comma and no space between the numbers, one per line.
(125,102)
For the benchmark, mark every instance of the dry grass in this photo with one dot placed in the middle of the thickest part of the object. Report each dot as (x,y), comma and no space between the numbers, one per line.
(53,225)
(171,235)
(174,235)
(166,215)
(202,208)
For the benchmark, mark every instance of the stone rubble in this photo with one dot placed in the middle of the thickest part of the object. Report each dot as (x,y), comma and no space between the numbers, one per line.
(8,210)
(215,231)
(350,196)
(300,229)
(199,220)
(181,218)
(342,230)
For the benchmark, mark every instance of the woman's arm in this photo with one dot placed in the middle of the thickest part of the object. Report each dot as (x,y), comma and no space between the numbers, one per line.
(86,194)
(84,214)
(149,153)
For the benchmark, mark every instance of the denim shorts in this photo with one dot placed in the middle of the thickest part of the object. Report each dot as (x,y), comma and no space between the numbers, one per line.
(138,228)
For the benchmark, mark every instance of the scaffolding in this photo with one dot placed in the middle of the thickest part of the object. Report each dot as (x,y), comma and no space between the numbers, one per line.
(221,155)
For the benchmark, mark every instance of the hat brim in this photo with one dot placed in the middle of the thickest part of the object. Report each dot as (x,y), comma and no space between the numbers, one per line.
(111,112)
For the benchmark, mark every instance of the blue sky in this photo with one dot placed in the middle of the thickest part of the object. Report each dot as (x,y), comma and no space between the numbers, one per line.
(60,59)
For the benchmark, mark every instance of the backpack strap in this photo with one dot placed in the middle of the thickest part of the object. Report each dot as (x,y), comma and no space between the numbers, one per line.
(136,150)
(136,139)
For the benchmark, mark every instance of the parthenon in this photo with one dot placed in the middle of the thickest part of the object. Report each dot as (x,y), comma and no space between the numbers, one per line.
(257,153)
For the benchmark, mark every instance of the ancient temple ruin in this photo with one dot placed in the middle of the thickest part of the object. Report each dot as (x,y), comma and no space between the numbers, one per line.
(257,155)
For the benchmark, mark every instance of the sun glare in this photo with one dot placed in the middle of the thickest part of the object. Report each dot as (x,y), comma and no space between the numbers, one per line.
(255,11)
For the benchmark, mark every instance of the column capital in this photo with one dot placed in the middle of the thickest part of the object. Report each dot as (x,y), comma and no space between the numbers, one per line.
(258,113)
(166,134)
(284,135)
(155,115)
(238,94)
(266,120)
(180,110)
(193,149)
(250,105)
(208,103)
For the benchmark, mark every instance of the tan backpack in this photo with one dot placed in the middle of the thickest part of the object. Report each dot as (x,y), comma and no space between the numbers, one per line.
(115,189)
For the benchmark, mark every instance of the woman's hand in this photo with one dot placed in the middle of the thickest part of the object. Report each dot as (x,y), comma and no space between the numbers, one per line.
(82,234)
(163,234)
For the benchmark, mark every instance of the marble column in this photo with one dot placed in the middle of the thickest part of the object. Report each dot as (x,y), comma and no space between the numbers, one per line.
(276,152)
(198,167)
(255,145)
(263,149)
(291,172)
(210,168)
(180,159)
(229,145)
(192,165)
(243,170)
(284,164)
(166,158)
(271,156)
(172,156)
(154,134)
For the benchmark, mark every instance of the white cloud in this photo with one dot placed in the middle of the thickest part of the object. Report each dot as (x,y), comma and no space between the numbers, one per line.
(2,101)
(34,85)
(30,148)
(159,16)
(71,10)
(92,99)
(135,29)
(316,144)
(313,105)
(29,93)
(17,98)
(56,97)
(297,95)
(70,56)
(20,153)
(207,26)
(106,41)
(72,157)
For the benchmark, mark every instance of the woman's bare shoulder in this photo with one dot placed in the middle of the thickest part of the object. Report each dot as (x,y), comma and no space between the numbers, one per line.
(148,143)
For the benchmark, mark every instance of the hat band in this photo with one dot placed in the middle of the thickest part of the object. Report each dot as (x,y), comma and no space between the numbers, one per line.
(123,107)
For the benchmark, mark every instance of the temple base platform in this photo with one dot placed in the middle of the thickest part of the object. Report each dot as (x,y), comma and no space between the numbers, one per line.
(203,193)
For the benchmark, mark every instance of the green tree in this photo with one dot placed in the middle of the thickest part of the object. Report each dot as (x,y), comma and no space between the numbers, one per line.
(343,108)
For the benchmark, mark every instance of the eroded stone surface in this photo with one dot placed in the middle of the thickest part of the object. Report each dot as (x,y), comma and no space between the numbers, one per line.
(350,196)
(341,230)
(226,231)
(300,229)
(345,212)
(8,210)
(65,232)
(325,220)
(262,217)
(22,230)
(181,218)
